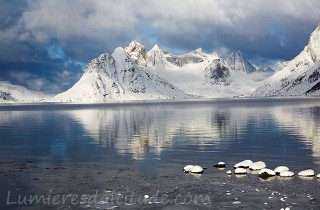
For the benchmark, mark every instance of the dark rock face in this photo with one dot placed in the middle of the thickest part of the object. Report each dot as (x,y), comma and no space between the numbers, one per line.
(4,95)
(217,72)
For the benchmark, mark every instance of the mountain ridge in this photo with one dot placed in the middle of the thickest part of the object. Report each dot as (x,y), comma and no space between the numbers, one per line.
(133,73)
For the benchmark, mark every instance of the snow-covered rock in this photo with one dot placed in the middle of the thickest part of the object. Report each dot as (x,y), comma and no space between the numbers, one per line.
(194,57)
(237,63)
(187,168)
(196,169)
(137,53)
(286,174)
(308,172)
(265,173)
(240,171)
(16,93)
(117,77)
(220,165)
(318,176)
(300,76)
(280,169)
(243,164)
(229,172)
(217,72)
(257,166)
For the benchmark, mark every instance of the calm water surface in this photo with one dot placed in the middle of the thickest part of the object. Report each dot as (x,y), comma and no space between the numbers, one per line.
(155,139)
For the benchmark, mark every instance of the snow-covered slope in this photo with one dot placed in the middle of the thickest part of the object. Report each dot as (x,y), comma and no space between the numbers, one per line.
(203,74)
(119,77)
(238,63)
(16,93)
(299,76)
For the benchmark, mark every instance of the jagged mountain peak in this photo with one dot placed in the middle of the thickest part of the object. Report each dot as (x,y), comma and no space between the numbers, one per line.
(155,47)
(199,50)
(156,57)
(138,53)
(134,45)
(236,62)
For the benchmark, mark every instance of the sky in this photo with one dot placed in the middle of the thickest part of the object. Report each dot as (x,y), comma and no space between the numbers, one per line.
(46,45)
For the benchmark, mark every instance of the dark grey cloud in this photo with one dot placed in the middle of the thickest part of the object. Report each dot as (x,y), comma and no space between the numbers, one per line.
(45,41)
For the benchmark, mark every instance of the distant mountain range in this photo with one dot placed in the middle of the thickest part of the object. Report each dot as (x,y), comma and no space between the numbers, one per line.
(132,73)
(16,93)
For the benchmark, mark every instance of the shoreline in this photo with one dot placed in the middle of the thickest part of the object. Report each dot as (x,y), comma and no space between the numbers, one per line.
(93,186)
(231,100)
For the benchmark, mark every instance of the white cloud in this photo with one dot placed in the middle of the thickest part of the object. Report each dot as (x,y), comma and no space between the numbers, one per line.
(107,19)
(85,28)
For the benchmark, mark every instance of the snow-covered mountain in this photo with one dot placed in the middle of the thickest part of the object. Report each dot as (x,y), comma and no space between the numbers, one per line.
(299,76)
(238,63)
(120,76)
(203,74)
(133,73)
(16,93)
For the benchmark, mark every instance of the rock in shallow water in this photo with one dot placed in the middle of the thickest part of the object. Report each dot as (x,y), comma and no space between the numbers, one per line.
(257,166)
(187,168)
(220,165)
(280,169)
(308,173)
(196,170)
(266,173)
(286,174)
(243,164)
(229,172)
(240,171)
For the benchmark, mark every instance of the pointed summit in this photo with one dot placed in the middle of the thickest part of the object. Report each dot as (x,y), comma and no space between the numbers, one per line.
(156,47)
(236,62)
(156,56)
(199,50)
(313,46)
(137,53)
